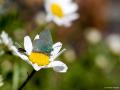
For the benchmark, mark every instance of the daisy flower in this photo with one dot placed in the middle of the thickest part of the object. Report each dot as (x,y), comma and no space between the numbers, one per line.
(62,12)
(39,59)
(113,42)
(7,41)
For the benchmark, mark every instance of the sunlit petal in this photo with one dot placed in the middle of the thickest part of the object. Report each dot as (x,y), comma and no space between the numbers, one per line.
(28,44)
(22,56)
(56,48)
(36,67)
(36,37)
(58,66)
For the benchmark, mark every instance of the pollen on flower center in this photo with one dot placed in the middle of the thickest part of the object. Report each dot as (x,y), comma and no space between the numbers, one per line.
(39,58)
(56,10)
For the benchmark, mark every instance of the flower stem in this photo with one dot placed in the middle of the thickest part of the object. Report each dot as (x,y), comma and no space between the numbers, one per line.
(26,81)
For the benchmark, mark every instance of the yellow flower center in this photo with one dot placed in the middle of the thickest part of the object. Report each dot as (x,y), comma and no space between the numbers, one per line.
(56,10)
(39,58)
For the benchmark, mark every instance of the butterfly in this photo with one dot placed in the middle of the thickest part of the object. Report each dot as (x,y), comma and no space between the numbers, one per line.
(43,44)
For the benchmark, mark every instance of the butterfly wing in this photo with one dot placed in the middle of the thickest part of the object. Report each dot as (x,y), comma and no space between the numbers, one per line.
(44,43)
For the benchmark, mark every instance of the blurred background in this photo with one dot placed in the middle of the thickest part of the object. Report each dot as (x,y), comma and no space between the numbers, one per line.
(92,43)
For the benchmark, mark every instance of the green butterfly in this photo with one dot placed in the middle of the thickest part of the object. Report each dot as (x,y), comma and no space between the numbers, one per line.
(44,43)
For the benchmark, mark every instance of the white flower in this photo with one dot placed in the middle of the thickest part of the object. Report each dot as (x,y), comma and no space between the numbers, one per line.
(113,41)
(40,18)
(102,61)
(62,12)
(40,60)
(6,40)
(70,55)
(93,36)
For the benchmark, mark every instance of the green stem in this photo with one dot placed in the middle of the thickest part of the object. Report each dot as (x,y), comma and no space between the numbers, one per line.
(26,81)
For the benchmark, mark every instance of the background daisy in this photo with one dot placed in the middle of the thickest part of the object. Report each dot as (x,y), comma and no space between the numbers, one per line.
(62,12)
(6,42)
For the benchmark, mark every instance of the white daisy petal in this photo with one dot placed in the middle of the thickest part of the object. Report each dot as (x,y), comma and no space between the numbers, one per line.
(36,37)
(22,56)
(5,39)
(67,21)
(58,66)
(28,44)
(71,17)
(70,10)
(58,21)
(54,57)
(67,24)
(56,48)
(36,67)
